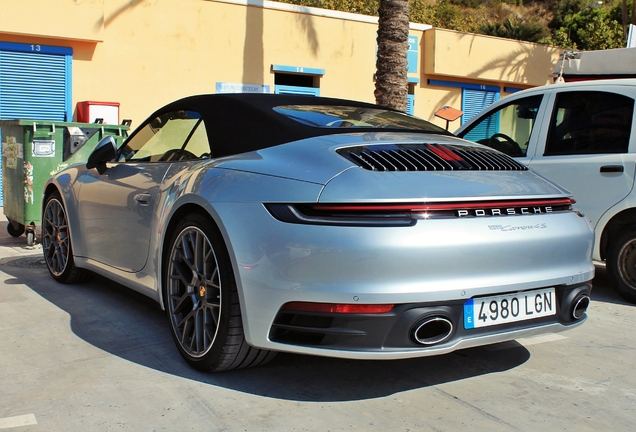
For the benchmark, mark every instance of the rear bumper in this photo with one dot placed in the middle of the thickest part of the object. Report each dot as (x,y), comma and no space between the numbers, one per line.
(395,332)
(433,264)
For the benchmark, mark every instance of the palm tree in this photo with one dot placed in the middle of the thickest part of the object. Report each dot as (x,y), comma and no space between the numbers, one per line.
(624,16)
(391,81)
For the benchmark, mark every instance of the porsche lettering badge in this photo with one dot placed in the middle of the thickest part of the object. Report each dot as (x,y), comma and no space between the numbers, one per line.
(510,211)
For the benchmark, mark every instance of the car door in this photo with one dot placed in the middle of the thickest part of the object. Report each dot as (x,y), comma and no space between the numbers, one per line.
(117,208)
(585,148)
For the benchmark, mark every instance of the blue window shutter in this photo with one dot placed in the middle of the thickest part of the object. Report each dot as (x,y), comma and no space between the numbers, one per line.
(410,104)
(285,89)
(1,191)
(474,101)
(35,85)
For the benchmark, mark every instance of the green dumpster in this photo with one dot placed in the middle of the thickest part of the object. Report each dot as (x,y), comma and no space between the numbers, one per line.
(34,150)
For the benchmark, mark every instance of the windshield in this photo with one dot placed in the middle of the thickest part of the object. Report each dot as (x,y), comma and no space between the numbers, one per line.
(329,116)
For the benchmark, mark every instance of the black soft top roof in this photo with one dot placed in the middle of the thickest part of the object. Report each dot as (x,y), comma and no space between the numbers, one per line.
(243,122)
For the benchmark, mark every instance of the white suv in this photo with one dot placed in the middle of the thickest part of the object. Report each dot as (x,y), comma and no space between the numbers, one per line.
(579,135)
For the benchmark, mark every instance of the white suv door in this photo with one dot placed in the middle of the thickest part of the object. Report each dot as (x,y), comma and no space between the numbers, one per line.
(578,135)
(586,148)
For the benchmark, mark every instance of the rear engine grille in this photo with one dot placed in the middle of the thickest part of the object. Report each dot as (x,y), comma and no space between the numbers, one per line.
(429,157)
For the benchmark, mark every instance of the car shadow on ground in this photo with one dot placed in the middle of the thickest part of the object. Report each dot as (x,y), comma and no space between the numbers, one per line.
(132,327)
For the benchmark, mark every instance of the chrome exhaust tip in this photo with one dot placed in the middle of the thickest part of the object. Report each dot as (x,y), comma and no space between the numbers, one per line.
(579,306)
(433,330)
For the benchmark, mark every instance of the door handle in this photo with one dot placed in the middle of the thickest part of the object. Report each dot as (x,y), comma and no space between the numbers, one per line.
(612,169)
(143,198)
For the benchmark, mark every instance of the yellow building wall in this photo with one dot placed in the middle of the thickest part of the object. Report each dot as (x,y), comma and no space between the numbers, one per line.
(468,55)
(146,53)
(63,19)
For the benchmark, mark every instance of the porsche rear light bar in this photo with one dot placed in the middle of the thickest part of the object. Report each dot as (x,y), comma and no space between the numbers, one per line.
(407,214)
(443,206)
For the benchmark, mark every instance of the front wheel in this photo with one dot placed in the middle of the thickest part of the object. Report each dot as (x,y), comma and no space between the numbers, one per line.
(621,265)
(202,301)
(56,242)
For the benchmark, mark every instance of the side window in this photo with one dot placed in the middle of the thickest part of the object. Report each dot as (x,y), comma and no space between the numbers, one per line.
(509,128)
(590,122)
(173,136)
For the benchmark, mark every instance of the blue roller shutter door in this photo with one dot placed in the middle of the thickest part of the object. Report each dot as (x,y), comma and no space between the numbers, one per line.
(34,86)
(34,83)
(474,101)
(410,104)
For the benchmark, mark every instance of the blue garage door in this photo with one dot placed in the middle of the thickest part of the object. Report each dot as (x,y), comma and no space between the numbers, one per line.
(474,101)
(410,104)
(35,83)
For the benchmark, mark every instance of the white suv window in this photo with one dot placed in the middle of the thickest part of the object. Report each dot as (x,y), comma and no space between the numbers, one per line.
(590,122)
(509,128)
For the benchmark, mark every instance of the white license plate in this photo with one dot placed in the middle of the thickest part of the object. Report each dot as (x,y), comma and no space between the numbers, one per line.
(501,309)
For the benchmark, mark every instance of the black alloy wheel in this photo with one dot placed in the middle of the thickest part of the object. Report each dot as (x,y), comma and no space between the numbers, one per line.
(201,300)
(56,242)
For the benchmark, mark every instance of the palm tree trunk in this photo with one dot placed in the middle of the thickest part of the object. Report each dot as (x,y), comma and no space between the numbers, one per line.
(391,81)
(624,16)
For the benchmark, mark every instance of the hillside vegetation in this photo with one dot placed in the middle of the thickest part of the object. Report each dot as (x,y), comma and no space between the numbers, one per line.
(578,24)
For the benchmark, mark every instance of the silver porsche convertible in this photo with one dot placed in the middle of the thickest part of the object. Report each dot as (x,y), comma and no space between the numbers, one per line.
(265,223)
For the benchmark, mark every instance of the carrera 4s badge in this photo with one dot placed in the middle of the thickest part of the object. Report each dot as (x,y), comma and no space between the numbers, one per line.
(517,227)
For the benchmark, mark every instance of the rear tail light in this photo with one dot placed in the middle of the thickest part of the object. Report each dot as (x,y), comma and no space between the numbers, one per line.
(339,308)
(407,214)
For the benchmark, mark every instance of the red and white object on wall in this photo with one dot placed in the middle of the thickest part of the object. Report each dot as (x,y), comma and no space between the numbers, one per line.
(91,112)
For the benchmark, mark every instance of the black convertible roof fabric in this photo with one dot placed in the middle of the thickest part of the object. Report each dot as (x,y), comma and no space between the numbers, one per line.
(243,122)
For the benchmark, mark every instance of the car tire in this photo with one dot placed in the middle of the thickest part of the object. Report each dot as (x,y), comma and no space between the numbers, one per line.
(202,302)
(621,265)
(56,243)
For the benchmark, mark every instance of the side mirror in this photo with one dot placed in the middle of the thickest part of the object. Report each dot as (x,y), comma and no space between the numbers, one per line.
(104,151)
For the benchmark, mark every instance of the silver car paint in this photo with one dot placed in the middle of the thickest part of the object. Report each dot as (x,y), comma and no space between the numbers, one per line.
(434,260)
(276,262)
